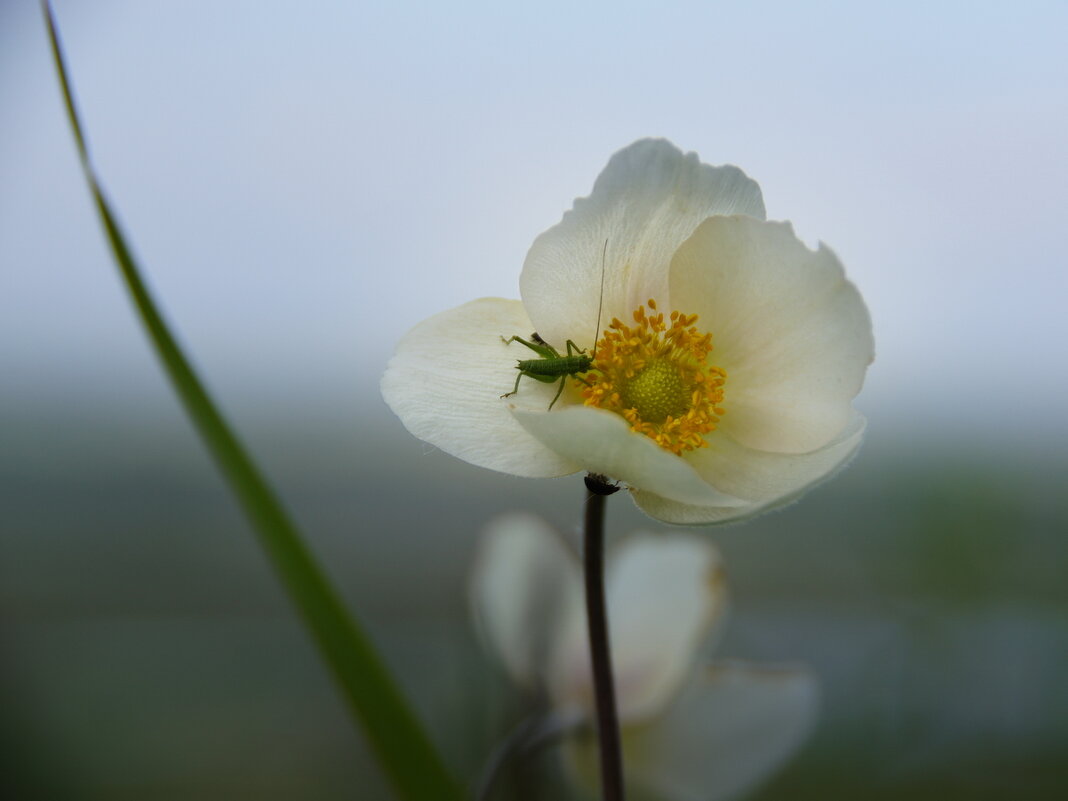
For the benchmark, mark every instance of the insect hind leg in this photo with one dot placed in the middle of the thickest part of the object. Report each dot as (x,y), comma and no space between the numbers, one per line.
(545,350)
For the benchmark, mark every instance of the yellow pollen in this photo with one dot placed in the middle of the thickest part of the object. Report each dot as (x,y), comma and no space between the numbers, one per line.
(656,375)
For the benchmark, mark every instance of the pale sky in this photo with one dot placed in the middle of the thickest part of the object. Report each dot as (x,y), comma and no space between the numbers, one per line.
(303,182)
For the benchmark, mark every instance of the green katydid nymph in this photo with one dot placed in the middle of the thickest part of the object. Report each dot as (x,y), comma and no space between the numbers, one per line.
(553,367)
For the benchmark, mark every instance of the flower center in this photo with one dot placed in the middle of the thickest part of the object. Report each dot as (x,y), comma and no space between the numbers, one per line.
(656,392)
(657,377)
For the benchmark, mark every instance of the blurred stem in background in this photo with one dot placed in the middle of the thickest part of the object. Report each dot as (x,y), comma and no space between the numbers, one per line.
(402,747)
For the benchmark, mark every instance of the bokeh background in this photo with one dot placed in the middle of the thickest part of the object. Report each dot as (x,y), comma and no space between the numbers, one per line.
(304,182)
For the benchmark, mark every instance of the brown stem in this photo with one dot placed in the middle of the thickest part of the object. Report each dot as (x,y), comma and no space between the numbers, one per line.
(600,650)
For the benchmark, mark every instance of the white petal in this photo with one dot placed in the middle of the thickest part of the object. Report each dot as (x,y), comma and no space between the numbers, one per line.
(445,383)
(766,480)
(725,734)
(525,582)
(665,592)
(688,514)
(792,333)
(601,442)
(764,477)
(645,203)
(568,677)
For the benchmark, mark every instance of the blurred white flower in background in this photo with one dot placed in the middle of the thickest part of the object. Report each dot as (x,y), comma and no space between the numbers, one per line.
(720,383)
(690,731)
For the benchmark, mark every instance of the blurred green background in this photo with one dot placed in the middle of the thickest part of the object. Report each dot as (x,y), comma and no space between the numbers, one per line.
(304,182)
(148,652)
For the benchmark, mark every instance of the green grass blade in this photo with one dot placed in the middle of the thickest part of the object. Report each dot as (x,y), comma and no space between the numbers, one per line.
(400,744)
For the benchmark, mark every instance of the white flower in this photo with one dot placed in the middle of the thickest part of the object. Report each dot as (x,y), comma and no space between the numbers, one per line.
(688,733)
(734,405)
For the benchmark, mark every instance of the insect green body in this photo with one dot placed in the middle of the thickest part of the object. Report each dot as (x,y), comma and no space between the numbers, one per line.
(551,367)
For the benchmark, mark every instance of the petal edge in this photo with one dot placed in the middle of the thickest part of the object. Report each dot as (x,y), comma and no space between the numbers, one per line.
(444,383)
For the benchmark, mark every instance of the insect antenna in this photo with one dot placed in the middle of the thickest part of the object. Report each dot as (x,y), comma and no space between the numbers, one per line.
(600,302)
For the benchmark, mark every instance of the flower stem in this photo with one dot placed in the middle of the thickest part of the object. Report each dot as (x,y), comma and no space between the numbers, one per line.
(600,649)
(535,732)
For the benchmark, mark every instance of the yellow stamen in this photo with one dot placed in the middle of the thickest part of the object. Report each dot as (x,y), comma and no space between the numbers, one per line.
(657,377)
